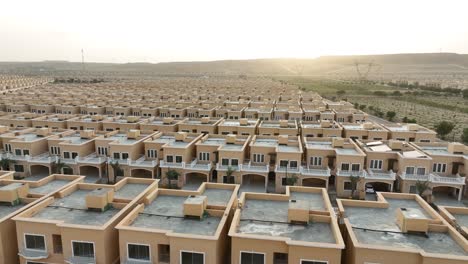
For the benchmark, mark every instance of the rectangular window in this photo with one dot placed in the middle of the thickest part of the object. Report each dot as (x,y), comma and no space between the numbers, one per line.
(258,158)
(293,164)
(347,186)
(35,242)
(204,156)
(345,166)
(283,163)
(116,155)
(83,249)
(170,159)
(164,252)
(376,164)
(192,257)
(74,155)
(18,152)
(409,170)
(225,162)
(152,153)
(280,258)
(313,262)
(19,168)
(138,252)
(25,152)
(439,167)
(421,171)
(355,167)
(8,147)
(234,162)
(252,258)
(66,155)
(178,159)
(316,161)
(124,156)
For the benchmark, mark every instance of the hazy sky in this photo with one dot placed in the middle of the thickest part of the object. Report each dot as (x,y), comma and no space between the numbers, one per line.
(172,30)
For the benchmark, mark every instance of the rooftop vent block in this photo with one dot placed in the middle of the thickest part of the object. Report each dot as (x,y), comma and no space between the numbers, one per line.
(132,119)
(133,133)
(456,148)
(412,220)
(180,136)
(99,199)
(3,129)
(87,134)
(195,206)
(168,120)
(43,131)
(368,125)
(284,123)
(325,124)
(337,142)
(12,192)
(231,139)
(205,120)
(395,144)
(283,139)
(413,127)
(97,117)
(298,211)
(243,121)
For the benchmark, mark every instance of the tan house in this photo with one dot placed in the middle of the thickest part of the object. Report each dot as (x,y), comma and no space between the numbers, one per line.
(410,132)
(350,116)
(242,126)
(281,127)
(56,121)
(399,228)
(19,195)
(204,125)
(86,122)
(180,226)
(18,120)
(364,131)
(323,128)
(77,224)
(166,124)
(122,123)
(457,217)
(296,227)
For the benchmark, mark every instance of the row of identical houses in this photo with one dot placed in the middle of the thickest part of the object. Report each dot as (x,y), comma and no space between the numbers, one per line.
(63,219)
(263,163)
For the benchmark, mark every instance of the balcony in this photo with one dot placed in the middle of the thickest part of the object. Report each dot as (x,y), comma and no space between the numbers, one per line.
(455,180)
(220,167)
(342,173)
(415,177)
(33,254)
(248,167)
(324,172)
(81,260)
(165,164)
(380,175)
(92,159)
(194,165)
(143,162)
(130,261)
(287,169)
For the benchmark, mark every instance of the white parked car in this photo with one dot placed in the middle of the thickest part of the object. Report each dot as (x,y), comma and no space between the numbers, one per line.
(369,188)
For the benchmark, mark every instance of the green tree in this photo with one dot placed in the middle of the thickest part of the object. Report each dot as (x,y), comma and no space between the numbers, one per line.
(354,183)
(229,173)
(465,93)
(172,175)
(464,136)
(117,170)
(340,92)
(58,166)
(422,187)
(391,115)
(5,163)
(444,128)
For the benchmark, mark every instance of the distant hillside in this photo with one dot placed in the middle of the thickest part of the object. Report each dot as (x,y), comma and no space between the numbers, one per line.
(318,66)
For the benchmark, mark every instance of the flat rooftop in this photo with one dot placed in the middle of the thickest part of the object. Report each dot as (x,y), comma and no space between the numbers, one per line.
(72,209)
(462,219)
(288,148)
(250,123)
(346,151)
(377,226)
(265,142)
(123,139)
(75,139)
(165,212)
(49,187)
(130,190)
(319,144)
(270,218)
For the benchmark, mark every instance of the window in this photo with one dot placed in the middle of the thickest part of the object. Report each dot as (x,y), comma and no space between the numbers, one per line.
(234,162)
(258,158)
(25,152)
(164,252)
(283,163)
(152,153)
(57,244)
(345,166)
(347,186)
(225,162)
(280,258)
(124,156)
(83,249)
(178,159)
(170,158)
(116,155)
(425,140)
(204,156)
(293,164)
(66,155)
(19,168)
(8,147)
(102,151)
(355,167)
(252,258)
(192,257)
(421,171)
(74,155)
(55,150)
(413,189)
(409,170)
(400,139)
(439,167)
(313,262)
(138,252)
(35,242)
(316,161)
(18,152)
(376,164)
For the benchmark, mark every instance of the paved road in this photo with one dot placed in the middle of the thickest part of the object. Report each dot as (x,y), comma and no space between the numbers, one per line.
(379,120)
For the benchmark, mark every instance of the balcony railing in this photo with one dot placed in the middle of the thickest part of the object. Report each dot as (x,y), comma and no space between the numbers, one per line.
(130,261)
(220,167)
(287,169)
(305,171)
(79,260)
(143,162)
(415,177)
(254,168)
(380,175)
(342,173)
(194,165)
(92,159)
(456,179)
